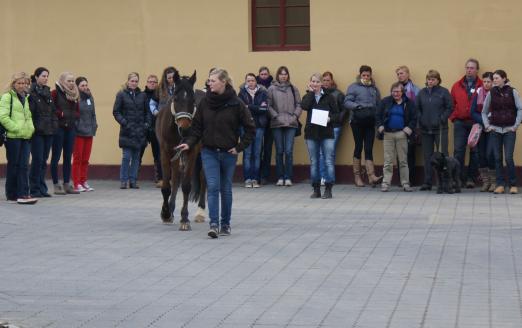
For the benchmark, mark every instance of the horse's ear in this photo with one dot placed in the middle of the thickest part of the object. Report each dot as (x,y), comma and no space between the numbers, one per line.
(176,76)
(193,78)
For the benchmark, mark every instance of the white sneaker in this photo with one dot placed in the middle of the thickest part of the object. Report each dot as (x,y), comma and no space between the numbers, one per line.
(280,182)
(87,187)
(288,182)
(248,184)
(26,200)
(255,184)
(79,188)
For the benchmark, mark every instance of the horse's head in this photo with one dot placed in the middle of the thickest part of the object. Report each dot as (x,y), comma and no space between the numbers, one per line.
(183,103)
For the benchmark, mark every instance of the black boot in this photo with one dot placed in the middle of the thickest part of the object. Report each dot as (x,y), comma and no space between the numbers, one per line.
(317,190)
(327,191)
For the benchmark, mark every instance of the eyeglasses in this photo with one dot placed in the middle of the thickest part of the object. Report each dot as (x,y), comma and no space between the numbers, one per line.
(152,81)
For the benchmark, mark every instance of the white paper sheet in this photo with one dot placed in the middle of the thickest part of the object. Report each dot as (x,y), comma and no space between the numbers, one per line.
(319,117)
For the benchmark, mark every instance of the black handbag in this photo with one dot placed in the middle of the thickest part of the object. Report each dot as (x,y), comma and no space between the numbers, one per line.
(364,114)
(299,130)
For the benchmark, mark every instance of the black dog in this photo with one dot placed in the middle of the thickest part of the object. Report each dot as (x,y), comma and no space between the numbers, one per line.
(448,173)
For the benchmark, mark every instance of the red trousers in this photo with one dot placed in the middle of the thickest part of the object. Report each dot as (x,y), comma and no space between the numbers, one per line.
(81,155)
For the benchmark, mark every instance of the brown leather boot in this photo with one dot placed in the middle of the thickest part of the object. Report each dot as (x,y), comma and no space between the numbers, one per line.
(357,173)
(486,183)
(372,178)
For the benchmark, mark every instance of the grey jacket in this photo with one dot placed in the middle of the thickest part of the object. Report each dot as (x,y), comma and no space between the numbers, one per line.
(360,96)
(86,125)
(434,106)
(498,129)
(283,107)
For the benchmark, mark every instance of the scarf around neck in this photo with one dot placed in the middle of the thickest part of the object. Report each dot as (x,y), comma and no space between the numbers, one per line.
(71,94)
(216,101)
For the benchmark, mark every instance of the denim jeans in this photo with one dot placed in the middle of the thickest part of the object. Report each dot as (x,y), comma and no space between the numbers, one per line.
(130,164)
(252,156)
(219,169)
(284,142)
(461,130)
(504,141)
(486,153)
(266,160)
(40,149)
(315,148)
(322,168)
(17,178)
(62,140)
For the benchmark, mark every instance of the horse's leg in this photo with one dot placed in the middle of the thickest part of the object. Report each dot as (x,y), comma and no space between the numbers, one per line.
(174,189)
(184,223)
(201,213)
(166,213)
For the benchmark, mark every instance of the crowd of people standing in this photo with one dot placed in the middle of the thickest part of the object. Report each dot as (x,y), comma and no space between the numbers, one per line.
(61,124)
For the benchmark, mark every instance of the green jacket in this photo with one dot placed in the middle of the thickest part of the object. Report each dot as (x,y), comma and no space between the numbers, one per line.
(20,124)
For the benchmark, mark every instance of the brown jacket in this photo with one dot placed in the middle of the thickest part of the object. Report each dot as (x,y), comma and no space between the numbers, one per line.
(284,108)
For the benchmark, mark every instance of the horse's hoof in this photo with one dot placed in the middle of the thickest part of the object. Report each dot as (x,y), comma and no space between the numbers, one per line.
(167,220)
(200,215)
(185,226)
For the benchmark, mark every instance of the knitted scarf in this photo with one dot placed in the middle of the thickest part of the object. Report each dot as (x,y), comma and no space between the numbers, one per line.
(71,94)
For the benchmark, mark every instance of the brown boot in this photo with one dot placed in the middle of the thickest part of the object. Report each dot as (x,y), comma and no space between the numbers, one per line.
(492,180)
(357,172)
(372,178)
(486,183)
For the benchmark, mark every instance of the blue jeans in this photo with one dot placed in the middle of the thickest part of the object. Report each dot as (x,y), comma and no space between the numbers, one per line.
(17,155)
(252,156)
(130,163)
(284,142)
(219,169)
(62,140)
(485,152)
(315,148)
(461,130)
(40,149)
(504,141)
(337,134)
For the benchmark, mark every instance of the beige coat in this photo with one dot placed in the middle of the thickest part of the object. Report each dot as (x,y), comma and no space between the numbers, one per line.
(284,108)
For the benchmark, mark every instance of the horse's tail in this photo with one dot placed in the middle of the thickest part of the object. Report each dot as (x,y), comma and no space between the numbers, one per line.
(196,189)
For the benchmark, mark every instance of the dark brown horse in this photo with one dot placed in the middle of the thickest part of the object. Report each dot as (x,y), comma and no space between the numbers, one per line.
(172,125)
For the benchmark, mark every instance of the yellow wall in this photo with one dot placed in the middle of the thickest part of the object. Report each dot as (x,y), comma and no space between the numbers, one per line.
(106,39)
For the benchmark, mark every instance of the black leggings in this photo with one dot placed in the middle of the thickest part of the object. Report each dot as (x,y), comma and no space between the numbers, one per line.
(363,134)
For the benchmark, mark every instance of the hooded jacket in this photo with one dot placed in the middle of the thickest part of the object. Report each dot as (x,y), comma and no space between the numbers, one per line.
(218,120)
(19,125)
(284,105)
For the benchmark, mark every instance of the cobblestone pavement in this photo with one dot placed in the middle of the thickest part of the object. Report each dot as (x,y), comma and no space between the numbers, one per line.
(363,259)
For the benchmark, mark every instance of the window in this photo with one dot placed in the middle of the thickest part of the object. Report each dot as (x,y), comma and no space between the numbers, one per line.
(280,25)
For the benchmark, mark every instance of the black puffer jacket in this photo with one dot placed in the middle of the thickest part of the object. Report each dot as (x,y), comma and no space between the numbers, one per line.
(42,110)
(131,111)
(328,103)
